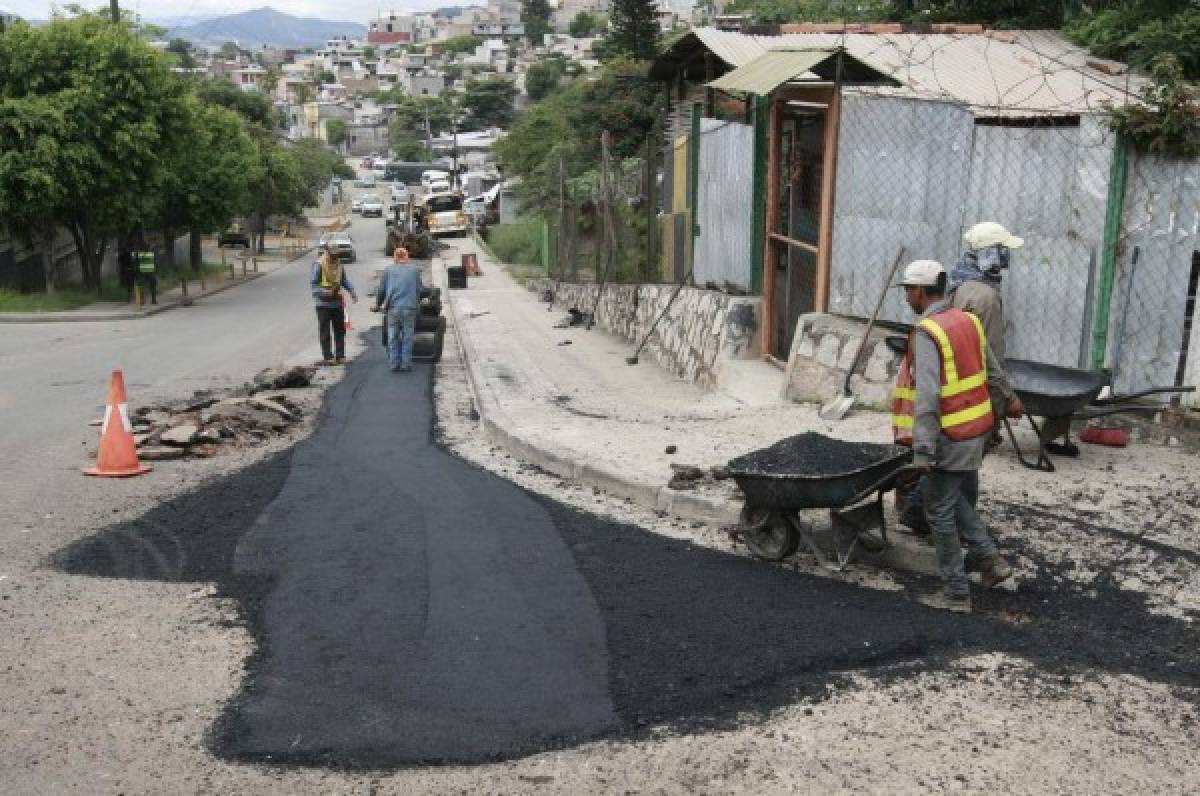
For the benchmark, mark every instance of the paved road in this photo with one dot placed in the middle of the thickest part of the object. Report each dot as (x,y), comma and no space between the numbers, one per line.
(406,606)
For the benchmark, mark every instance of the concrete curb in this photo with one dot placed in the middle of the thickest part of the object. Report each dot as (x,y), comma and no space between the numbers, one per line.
(73,316)
(905,553)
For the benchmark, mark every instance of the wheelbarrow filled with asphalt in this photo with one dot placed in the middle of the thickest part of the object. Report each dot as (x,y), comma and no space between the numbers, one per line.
(813,471)
(1057,395)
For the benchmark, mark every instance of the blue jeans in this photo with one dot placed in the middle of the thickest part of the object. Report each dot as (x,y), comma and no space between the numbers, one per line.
(950,498)
(401,328)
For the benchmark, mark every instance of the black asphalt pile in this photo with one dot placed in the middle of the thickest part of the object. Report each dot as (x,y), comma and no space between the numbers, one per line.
(811,453)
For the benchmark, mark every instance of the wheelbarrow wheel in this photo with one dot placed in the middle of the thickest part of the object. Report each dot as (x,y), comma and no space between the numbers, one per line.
(768,535)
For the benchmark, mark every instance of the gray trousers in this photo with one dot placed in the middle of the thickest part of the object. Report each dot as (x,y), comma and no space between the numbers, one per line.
(949,498)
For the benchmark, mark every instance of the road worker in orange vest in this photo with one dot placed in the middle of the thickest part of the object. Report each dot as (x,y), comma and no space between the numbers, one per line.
(942,409)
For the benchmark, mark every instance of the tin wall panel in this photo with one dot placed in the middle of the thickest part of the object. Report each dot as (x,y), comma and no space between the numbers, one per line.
(725,204)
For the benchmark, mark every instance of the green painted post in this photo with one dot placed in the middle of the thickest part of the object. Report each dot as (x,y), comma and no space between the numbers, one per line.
(545,245)
(758,218)
(1115,206)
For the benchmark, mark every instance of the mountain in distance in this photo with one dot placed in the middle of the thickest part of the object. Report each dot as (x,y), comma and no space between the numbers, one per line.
(267,26)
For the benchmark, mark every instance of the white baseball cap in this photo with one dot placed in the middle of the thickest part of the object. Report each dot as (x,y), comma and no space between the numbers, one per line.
(921,273)
(989,233)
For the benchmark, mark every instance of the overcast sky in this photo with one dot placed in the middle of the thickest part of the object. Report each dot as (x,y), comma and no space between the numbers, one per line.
(353,10)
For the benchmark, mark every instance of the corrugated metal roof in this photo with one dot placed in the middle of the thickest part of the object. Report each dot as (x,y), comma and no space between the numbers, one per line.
(775,67)
(1039,73)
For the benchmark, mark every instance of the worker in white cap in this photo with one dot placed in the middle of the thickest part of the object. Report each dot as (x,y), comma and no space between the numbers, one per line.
(974,287)
(942,409)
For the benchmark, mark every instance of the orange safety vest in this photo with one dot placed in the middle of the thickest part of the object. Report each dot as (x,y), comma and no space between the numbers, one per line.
(966,407)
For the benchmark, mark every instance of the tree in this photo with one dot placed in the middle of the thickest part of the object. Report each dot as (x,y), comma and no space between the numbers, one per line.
(406,147)
(535,14)
(543,77)
(633,29)
(585,24)
(488,103)
(326,77)
(369,53)
(335,132)
(85,109)
(229,50)
(255,107)
(456,45)
(210,168)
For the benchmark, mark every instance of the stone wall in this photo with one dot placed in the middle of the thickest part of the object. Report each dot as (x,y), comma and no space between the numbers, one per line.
(823,350)
(702,329)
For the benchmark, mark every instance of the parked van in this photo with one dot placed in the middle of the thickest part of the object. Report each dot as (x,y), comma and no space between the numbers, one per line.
(407,172)
(443,214)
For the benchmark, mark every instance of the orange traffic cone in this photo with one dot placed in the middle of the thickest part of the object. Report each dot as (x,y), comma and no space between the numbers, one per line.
(345,315)
(117,457)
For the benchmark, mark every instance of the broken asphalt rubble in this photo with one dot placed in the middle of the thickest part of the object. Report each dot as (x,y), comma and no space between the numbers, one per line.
(200,426)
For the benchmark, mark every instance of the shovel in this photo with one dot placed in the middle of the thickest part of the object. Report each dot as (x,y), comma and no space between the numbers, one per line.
(836,408)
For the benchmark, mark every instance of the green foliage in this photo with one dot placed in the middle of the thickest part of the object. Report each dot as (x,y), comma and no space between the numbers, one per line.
(543,77)
(78,146)
(406,147)
(452,72)
(409,121)
(210,168)
(335,132)
(517,243)
(1168,123)
(229,50)
(633,30)
(456,45)
(326,77)
(488,102)
(535,14)
(568,125)
(1141,32)
(586,24)
(251,105)
(369,53)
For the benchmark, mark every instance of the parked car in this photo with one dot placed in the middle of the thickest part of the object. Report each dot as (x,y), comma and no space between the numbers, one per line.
(379,172)
(235,235)
(356,204)
(341,245)
(372,206)
(365,181)
(443,214)
(400,192)
(439,186)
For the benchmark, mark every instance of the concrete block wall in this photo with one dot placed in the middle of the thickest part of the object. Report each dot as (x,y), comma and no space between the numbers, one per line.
(823,350)
(702,329)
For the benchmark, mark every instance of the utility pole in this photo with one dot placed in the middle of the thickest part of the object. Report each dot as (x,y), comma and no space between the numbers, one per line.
(116,10)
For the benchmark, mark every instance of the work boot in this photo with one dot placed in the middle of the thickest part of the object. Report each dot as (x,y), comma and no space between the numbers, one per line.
(328,361)
(958,602)
(993,571)
(340,361)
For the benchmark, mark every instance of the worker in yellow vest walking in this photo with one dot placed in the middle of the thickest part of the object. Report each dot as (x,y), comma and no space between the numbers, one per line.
(942,409)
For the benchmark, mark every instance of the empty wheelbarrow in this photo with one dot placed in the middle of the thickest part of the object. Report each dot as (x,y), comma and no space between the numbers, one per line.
(770,523)
(1057,395)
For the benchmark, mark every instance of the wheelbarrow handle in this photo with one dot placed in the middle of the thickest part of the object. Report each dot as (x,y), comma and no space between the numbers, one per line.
(1116,399)
(884,484)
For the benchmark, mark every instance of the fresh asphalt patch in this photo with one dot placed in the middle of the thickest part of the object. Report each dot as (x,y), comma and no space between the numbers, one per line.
(410,608)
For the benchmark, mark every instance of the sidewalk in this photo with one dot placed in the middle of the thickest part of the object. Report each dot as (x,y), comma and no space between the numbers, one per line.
(272,260)
(564,400)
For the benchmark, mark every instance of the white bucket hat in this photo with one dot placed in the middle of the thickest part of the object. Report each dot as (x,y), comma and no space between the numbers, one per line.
(989,233)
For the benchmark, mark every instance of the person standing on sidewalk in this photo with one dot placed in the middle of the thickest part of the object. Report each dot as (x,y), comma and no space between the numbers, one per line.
(146,262)
(328,280)
(399,295)
(942,409)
